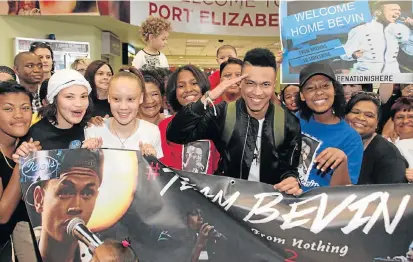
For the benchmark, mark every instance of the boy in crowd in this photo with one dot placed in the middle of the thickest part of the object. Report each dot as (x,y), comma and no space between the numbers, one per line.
(223,53)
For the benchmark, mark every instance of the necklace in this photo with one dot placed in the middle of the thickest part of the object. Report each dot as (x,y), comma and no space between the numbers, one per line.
(120,140)
(1,149)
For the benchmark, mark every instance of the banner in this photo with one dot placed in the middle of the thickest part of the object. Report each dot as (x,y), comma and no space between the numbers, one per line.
(363,41)
(181,216)
(216,17)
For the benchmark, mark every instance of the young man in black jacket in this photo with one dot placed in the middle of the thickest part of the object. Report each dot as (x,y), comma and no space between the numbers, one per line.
(254,148)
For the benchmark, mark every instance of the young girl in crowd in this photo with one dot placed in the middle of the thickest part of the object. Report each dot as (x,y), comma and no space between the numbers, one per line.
(98,74)
(155,33)
(124,130)
(382,161)
(15,115)
(289,96)
(150,109)
(45,52)
(332,151)
(186,85)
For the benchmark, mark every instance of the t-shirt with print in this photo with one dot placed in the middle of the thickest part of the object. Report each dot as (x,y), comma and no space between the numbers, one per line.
(199,157)
(144,60)
(51,137)
(315,138)
(147,133)
(255,166)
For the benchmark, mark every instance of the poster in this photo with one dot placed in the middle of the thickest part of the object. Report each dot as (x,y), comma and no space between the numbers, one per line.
(363,41)
(216,17)
(164,213)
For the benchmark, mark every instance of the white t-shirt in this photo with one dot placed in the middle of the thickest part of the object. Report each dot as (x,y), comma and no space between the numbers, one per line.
(405,147)
(147,133)
(255,166)
(144,60)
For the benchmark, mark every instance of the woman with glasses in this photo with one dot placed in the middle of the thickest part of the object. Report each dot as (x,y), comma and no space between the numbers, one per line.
(80,65)
(382,161)
(45,52)
(336,150)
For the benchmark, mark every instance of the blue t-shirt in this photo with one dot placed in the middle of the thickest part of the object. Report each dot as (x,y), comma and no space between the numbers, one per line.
(315,138)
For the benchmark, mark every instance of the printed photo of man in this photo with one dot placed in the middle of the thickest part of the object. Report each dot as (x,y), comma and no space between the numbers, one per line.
(196,157)
(71,193)
(375,45)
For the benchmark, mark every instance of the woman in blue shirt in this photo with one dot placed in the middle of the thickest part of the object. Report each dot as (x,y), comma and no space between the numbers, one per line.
(332,151)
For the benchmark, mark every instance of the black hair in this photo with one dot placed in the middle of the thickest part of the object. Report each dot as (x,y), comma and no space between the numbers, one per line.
(8,70)
(225,47)
(12,87)
(261,57)
(402,104)
(36,45)
(339,105)
(364,87)
(283,91)
(50,112)
(231,61)
(90,76)
(43,90)
(154,76)
(172,85)
(362,97)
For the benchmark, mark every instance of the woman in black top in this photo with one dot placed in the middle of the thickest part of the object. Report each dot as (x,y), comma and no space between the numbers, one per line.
(98,74)
(382,161)
(15,115)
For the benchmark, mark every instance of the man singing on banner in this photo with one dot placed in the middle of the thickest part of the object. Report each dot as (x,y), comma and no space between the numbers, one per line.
(375,45)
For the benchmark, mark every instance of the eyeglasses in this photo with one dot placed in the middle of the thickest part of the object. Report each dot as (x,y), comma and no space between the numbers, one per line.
(373,95)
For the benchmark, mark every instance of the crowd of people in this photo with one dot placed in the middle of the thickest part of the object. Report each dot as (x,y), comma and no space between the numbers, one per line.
(233,123)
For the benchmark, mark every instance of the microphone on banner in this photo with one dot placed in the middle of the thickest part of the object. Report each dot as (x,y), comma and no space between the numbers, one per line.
(78,229)
(217,234)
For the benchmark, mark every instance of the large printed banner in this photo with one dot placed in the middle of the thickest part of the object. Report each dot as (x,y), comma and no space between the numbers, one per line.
(364,41)
(219,17)
(180,216)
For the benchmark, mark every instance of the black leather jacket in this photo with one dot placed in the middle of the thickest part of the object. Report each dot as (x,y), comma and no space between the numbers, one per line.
(193,123)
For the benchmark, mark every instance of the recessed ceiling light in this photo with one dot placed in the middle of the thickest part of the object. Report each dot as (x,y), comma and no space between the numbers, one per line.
(181,57)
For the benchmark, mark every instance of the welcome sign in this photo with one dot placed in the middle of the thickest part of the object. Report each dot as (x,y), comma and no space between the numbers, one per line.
(171,215)
(364,41)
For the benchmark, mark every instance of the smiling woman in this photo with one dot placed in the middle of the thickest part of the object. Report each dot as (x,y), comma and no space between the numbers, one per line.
(150,109)
(382,161)
(339,150)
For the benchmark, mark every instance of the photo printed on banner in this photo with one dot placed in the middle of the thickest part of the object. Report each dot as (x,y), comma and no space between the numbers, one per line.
(363,41)
(309,148)
(195,157)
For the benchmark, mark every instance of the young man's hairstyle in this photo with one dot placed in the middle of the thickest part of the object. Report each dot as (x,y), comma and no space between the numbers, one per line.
(8,70)
(363,97)
(154,26)
(11,87)
(172,85)
(90,76)
(231,61)
(227,47)
(261,57)
(339,105)
(404,104)
(154,76)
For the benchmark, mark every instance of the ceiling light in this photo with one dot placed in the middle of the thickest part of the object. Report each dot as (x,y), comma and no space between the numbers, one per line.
(181,57)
